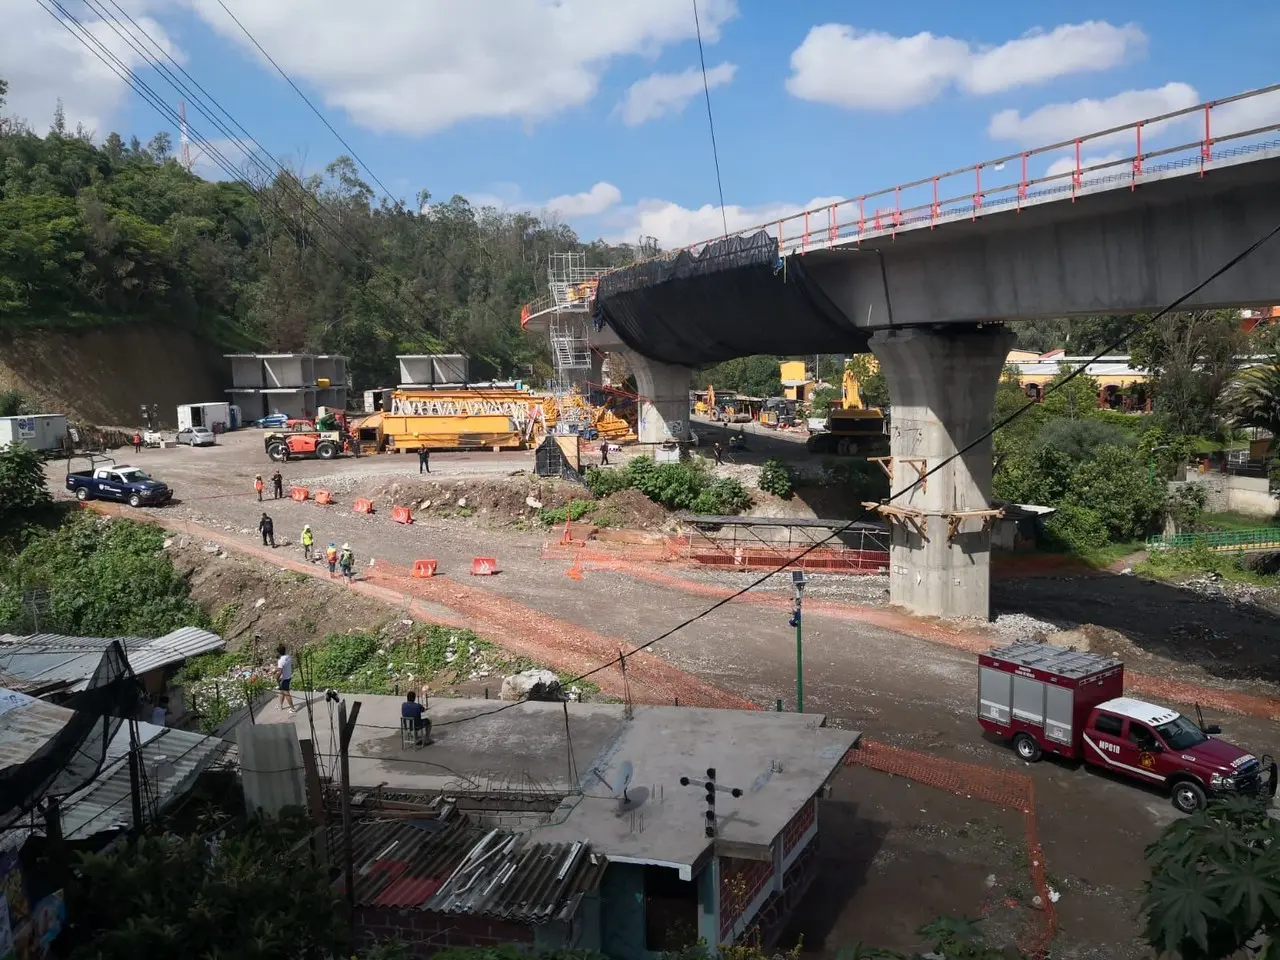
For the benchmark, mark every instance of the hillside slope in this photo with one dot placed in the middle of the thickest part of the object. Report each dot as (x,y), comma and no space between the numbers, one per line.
(102,375)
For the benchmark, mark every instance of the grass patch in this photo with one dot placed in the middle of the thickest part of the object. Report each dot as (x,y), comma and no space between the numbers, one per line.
(1198,560)
(1229,520)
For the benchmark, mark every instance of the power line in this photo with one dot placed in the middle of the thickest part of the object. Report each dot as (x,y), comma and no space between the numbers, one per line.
(305,99)
(1079,371)
(706,91)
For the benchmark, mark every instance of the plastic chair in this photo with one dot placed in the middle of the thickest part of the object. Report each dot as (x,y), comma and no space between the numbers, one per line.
(408,734)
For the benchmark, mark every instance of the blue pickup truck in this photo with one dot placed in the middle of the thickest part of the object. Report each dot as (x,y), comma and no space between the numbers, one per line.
(126,484)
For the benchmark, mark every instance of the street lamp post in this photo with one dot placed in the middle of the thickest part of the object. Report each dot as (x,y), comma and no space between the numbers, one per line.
(798,581)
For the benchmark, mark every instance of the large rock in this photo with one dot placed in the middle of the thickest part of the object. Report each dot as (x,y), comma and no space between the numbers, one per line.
(531,685)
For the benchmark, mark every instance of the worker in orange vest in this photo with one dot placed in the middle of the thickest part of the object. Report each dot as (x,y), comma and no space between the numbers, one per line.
(257,485)
(331,557)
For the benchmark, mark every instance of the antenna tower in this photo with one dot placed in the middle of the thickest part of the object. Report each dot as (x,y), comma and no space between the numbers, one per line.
(184,141)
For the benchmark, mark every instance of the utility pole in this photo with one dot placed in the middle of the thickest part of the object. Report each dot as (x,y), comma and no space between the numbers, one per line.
(346,727)
(798,581)
(135,778)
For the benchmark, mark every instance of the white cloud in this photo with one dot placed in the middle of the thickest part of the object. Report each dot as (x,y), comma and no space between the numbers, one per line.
(593,202)
(418,66)
(870,70)
(662,93)
(676,226)
(1067,164)
(1248,114)
(1062,121)
(43,63)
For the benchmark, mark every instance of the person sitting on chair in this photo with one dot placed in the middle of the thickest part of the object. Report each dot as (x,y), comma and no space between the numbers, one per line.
(412,710)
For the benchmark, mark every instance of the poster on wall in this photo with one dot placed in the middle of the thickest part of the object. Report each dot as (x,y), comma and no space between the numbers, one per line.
(26,428)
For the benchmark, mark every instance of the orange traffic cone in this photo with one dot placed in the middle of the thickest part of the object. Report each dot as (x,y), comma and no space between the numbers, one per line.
(575,571)
(568,532)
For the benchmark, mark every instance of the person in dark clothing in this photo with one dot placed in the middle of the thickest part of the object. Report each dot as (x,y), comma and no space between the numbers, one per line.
(604,453)
(719,453)
(424,460)
(412,710)
(277,485)
(268,530)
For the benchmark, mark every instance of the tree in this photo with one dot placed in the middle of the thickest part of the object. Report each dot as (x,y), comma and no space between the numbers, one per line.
(1193,357)
(758,376)
(24,498)
(1116,485)
(246,896)
(1071,398)
(1254,399)
(1215,882)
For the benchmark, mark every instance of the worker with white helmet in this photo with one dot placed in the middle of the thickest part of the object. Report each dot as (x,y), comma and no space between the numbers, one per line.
(347,562)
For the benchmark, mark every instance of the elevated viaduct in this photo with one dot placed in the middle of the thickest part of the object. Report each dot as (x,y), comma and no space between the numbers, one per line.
(927,276)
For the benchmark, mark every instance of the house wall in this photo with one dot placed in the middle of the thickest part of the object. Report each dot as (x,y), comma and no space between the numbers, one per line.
(622,917)
(427,933)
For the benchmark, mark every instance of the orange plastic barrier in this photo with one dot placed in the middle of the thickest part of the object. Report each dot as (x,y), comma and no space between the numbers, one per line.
(401,515)
(484,566)
(424,569)
(362,506)
(299,493)
(324,496)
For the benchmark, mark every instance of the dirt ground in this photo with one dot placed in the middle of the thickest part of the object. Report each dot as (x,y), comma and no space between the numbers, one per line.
(888,867)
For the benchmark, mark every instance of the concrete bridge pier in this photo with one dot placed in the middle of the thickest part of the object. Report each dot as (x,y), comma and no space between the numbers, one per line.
(942,385)
(664,398)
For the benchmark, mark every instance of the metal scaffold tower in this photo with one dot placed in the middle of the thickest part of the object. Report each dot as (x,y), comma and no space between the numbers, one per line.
(572,286)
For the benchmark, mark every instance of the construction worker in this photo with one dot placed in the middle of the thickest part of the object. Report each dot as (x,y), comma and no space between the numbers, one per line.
(331,557)
(347,561)
(267,527)
(277,485)
(719,453)
(424,460)
(308,541)
(257,485)
(604,453)
(137,442)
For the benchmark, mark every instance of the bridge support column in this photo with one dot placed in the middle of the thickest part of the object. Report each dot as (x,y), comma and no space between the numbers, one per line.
(664,399)
(942,388)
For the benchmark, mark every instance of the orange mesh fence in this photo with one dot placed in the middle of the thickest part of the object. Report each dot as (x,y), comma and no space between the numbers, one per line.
(708,552)
(976,782)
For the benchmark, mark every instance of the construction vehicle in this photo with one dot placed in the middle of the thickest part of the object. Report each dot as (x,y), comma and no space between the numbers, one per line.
(454,417)
(851,427)
(323,438)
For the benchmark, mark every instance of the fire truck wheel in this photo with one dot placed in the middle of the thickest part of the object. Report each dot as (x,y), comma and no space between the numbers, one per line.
(1187,796)
(1026,747)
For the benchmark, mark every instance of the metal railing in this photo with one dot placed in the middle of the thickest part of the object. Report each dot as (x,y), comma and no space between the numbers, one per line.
(960,194)
(1260,538)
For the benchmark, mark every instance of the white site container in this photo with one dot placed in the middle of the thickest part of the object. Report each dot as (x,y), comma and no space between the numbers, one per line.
(40,431)
(206,415)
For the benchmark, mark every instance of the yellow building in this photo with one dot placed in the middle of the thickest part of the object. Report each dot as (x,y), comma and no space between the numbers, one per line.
(795,381)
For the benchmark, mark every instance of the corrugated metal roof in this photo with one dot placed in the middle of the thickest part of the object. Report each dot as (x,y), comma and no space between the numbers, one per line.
(172,759)
(26,725)
(49,661)
(457,867)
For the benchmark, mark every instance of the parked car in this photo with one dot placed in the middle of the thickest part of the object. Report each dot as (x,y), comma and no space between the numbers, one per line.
(197,437)
(124,483)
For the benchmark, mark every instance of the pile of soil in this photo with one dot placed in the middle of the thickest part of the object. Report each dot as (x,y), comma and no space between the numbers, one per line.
(630,509)
(503,502)
(1090,638)
(246,597)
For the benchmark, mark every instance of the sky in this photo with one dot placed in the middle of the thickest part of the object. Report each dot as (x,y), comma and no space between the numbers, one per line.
(593,111)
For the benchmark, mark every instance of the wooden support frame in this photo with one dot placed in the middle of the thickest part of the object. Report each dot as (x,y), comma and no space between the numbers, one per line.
(908,516)
(955,519)
(919,464)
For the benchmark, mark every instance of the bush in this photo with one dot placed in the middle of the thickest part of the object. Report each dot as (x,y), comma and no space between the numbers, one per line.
(602,482)
(575,510)
(722,498)
(1077,528)
(24,497)
(13,403)
(776,478)
(1080,439)
(104,578)
(1116,485)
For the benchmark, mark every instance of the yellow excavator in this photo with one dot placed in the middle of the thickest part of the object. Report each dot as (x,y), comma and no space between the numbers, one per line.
(851,428)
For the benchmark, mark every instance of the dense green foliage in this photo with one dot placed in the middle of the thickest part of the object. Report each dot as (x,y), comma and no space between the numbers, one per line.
(776,478)
(24,499)
(119,231)
(1215,882)
(1254,400)
(250,896)
(757,376)
(687,485)
(103,578)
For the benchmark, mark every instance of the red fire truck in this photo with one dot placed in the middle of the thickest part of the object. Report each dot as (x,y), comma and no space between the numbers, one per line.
(1049,699)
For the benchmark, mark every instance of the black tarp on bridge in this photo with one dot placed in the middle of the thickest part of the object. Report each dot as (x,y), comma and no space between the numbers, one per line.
(734,299)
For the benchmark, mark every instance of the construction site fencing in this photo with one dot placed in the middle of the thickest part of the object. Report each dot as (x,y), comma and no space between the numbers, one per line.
(1002,788)
(727,554)
(1259,538)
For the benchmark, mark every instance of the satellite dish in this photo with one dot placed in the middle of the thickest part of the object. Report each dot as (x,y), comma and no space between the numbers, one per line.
(625,772)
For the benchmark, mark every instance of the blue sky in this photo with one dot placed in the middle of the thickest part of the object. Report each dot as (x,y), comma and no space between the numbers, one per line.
(520,102)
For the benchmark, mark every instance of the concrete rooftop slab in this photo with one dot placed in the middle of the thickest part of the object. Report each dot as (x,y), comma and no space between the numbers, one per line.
(778,761)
